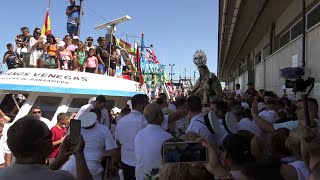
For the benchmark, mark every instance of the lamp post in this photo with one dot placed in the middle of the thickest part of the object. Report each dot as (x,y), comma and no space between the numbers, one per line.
(171,71)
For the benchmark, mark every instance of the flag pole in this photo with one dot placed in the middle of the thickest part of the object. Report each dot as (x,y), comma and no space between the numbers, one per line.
(80,17)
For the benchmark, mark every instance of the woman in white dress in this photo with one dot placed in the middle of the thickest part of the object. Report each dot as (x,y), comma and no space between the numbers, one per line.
(37,53)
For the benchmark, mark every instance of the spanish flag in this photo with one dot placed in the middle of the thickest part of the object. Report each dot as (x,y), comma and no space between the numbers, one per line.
(46,28)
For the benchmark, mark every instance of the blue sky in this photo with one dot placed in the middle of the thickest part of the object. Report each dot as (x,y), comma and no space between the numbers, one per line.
(176,28)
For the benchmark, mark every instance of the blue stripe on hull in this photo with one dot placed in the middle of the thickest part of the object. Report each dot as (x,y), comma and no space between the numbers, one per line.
(64,90)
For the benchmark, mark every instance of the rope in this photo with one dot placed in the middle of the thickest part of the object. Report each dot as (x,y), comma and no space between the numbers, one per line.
(98,15)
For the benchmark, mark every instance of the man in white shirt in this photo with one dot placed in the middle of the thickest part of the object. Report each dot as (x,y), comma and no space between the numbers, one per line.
(197,123)
(244,123)
(98,138)
(170,106)
(128,127)
(100,104)
(239,91)
(126,132)
(148,142)
(36,111)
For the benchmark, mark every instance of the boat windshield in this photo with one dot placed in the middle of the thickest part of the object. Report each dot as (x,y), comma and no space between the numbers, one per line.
(76,104)
(12,103)
(48,105)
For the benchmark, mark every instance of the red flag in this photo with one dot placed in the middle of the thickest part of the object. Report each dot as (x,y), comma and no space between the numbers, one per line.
(46,28)
(139,67)
(171,86)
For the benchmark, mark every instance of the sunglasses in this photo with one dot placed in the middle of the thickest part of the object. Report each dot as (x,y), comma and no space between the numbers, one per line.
(89,39)
(36,112)
(38,33)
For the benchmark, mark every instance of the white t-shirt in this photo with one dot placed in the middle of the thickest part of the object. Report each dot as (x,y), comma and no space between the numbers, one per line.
(247,124)
(2,143)
(289,125)
(148,143)
(172,107)
(302,169)
(222,134)
(199,127)
(126,131)
(98,139)
(240,92)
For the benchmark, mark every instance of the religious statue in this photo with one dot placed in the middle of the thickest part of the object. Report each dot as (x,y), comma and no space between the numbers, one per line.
(207,87)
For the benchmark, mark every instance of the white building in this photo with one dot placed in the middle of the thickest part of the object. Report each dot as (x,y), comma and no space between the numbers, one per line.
(257,38)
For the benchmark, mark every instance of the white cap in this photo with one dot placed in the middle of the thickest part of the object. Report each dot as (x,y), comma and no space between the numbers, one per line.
(88,119)
(245,105)
(75,37)
(61,44)
(261,105)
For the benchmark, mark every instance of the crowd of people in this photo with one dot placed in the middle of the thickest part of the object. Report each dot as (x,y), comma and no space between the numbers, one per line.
(250,134)
(36,50)
(254,135)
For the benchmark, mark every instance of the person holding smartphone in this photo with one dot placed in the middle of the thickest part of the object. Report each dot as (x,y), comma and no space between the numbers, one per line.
(98,138)
(31,153)
(10,57)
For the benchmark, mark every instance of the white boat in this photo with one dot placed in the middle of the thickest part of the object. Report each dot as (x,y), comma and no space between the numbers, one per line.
(58,91)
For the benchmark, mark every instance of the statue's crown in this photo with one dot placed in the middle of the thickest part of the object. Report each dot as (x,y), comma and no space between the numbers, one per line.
(200,58)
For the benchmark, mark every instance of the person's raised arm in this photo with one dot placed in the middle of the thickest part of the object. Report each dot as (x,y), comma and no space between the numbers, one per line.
(63,156)
(70,11)
(54,143)
(214,165)
(263,124)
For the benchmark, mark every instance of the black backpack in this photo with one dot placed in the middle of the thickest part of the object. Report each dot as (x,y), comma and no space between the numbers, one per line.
(207,123)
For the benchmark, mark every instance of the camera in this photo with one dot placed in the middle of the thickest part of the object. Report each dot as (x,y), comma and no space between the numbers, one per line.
(296,83)
(299,85)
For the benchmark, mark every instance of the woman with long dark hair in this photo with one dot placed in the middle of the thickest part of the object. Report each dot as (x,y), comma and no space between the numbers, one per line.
(37,49)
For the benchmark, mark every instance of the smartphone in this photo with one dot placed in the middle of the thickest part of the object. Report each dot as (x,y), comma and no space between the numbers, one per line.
(184,152)
(75,131)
